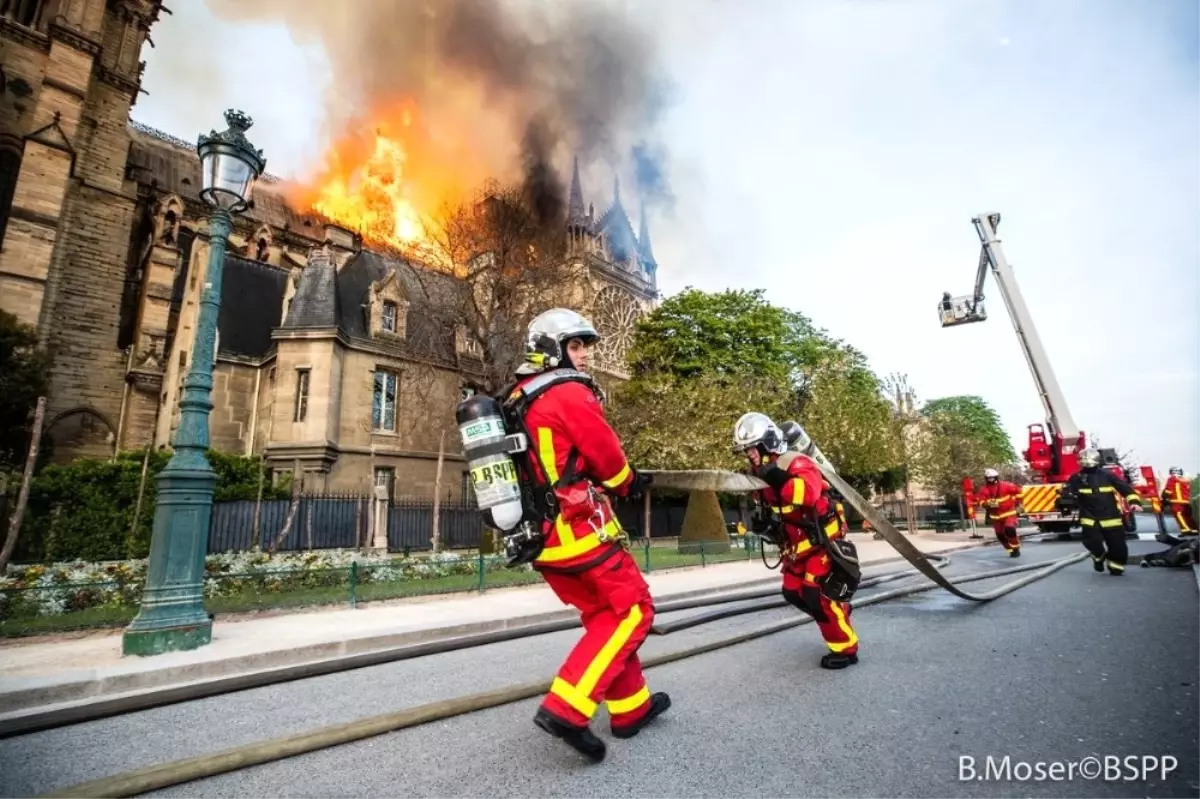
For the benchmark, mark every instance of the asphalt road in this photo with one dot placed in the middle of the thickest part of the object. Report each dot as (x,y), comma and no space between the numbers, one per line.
(1077,664)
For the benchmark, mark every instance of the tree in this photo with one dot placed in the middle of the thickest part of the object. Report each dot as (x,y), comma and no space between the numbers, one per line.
(508,251)
(978,420)
(24,376)
(700,360)
(958,437)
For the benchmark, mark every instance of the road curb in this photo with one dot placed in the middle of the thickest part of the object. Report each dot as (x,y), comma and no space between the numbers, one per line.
(34,693)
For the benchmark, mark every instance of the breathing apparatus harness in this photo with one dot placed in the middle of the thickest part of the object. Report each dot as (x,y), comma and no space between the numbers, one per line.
(843,579)
(573,496)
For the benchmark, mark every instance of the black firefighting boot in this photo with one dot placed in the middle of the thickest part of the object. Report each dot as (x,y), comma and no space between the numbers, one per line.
(1098,564)
(659,703)
(836,660)
(1015,552)
(1115,569)
(581,739)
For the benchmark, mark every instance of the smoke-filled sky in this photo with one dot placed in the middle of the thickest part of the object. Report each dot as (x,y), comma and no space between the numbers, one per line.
(831,153)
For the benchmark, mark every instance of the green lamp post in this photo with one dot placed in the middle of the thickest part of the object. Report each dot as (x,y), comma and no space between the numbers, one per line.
(172,615)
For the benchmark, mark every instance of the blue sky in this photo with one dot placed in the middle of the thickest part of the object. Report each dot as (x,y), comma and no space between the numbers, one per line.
(833,153)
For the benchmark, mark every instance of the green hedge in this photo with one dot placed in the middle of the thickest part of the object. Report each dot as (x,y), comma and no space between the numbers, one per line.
(85,510)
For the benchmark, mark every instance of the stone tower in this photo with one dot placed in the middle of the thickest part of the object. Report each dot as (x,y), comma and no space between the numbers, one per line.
(71,73)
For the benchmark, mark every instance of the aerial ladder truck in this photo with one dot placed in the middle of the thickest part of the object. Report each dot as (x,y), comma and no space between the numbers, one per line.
(1053,449)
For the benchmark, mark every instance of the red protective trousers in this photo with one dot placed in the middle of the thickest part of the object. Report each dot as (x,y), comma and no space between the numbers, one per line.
(1183,516)
(801,586)
(617,611)
(1006,532)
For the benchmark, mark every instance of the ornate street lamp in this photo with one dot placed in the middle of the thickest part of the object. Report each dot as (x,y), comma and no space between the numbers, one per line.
(172,614)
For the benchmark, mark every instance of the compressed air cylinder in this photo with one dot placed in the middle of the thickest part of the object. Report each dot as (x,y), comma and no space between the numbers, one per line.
(493,472)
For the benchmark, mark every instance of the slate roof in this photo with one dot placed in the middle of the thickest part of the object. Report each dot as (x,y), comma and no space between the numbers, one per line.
(251,300)
(327,297)
(172,165)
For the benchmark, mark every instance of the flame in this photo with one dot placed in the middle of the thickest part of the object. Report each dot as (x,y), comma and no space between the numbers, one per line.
(386,177)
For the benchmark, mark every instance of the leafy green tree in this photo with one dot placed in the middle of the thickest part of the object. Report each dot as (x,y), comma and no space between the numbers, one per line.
(24,376)
(958,437)
(701,360)
(976,419)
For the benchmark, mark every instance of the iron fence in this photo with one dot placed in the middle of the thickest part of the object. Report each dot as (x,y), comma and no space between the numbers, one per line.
(320,521)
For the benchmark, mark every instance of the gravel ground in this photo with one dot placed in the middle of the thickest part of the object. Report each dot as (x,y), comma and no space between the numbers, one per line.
(732,706)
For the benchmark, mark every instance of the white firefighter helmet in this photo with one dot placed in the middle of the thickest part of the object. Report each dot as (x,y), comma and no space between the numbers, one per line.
(546,340)
(757,430)
(991,474)
(1089,458)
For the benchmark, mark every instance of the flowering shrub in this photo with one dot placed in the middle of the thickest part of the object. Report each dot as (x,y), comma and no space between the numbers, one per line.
(42,590)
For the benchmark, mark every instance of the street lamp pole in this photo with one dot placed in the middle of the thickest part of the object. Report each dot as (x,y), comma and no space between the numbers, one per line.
(172,615)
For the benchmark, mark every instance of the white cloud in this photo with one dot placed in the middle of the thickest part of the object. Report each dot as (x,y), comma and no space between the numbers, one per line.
(834,154)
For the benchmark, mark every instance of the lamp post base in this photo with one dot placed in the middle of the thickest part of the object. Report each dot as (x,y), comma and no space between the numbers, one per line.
(159,640)
(172,616)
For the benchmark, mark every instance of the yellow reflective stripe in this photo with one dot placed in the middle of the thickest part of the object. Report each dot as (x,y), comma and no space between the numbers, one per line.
(629,704)
(844,626)
(783,508)
(608,653)
(1085,491)
(1131,497)
(572,696)
(1004,515)
(1110,522)
(574,547)
(620,478)
(1108,489)
(1116,566)
(546,454)
(833,527)
(1087,522)
(797,491)
(803,546)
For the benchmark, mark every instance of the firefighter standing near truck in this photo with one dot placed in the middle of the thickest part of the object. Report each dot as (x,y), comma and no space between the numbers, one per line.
(1098,493)
(1178,495)
(802,521)
(1001,497)
(585,561)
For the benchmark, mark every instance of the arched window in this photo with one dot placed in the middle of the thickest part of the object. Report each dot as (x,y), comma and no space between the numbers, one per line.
(263,252)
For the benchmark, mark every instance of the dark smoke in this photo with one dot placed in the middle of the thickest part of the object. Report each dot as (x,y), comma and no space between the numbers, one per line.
(652,184)
(547,80)
(543,190)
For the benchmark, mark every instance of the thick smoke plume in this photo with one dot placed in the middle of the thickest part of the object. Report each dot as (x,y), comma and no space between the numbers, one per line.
(516,84)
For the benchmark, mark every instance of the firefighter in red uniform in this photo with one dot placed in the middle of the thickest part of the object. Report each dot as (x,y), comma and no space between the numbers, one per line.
(1178,495)
(803,517)
(584,558)
(1000,497)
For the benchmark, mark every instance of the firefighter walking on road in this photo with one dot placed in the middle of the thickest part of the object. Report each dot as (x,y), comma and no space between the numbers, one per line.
(1177,494)
(1001,497)
(804,522)
(578,460)
(1097,493)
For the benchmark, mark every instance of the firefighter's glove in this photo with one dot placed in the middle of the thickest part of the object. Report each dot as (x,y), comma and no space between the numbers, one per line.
(638,485)
(772,475)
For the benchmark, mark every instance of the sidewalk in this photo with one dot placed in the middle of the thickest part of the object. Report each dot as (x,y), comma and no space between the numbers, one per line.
(35,673)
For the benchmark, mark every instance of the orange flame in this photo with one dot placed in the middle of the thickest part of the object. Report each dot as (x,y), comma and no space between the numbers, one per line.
(386,179)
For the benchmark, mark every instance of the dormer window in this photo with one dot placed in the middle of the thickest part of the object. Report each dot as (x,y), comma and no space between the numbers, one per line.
(263,251)
(387,317)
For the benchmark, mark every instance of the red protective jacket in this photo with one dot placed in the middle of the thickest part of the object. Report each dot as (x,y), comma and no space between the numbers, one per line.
(569,417)
(1000,498)
(1177,491)
(801,499)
